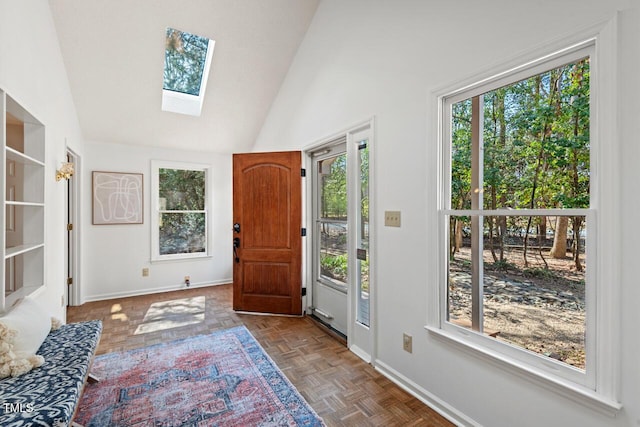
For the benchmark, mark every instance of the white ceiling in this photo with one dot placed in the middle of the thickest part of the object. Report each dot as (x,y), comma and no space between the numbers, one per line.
(114,54)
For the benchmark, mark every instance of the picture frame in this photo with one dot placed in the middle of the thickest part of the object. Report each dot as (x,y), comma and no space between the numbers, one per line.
(117,198)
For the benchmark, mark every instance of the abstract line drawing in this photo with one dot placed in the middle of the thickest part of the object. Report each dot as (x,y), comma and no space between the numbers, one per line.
(117,198)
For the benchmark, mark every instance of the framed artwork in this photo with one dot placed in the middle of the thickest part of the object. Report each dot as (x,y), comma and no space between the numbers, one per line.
(117,198)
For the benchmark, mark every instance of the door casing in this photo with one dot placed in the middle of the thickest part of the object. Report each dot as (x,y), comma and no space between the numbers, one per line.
(72,238)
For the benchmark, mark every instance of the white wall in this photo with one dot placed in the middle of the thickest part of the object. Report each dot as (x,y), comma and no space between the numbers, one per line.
(113,256)
(32,72)
(385,59)
(629,89)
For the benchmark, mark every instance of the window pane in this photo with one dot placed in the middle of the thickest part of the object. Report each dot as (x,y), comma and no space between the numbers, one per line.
(536,141)
(332,174)
(461,155)
(533,283)
(182,233)
(363,236)
(181,189)
(333,251)
(459,275)
(184,61)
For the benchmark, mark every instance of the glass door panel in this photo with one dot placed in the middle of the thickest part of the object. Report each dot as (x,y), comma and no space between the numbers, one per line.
(362,251)
(332,221)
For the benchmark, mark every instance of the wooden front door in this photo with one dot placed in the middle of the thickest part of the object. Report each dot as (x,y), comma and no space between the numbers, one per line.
(267,216)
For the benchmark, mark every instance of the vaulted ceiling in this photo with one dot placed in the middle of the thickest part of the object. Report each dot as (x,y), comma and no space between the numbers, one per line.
(114,55)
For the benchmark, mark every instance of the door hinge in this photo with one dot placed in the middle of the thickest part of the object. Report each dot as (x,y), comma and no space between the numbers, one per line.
(303,172)
(69,280)
(303,232)
(69,227)
(304,292)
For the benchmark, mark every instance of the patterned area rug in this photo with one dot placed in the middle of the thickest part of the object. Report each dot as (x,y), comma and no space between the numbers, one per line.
(221,379)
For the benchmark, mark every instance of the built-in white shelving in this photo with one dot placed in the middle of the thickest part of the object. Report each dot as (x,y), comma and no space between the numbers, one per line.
(21,249)
(23,213)
(17,156)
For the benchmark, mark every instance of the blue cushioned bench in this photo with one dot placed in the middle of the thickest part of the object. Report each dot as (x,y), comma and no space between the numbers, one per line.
(48,396)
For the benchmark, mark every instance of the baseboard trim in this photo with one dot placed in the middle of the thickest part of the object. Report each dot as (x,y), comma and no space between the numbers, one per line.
(137,292)
(360,353)
(425,396)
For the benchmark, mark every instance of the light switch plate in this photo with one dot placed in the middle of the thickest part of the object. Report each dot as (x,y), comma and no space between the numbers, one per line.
(392,218)
(407,343)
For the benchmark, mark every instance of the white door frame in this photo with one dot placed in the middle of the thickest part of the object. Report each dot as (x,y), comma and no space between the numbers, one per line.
(72,215)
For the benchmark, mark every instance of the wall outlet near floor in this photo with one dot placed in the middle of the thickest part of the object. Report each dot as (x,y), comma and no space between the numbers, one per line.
(187,280)
(145,272)
(392,218)
(407,343)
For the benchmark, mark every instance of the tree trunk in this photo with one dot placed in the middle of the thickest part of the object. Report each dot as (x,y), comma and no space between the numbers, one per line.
(542,230)
(559,249)
(452,238)
(458,235)
(577,225)
(490,223)
(502,232)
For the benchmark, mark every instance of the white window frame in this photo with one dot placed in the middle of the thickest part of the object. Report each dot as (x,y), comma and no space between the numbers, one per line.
(156,165)
(597,386)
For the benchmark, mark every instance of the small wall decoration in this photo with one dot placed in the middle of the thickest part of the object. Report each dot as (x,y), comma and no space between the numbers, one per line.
(117,198)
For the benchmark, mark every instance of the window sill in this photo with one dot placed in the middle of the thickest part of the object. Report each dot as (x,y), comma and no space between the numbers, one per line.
(577,393)
(181,257)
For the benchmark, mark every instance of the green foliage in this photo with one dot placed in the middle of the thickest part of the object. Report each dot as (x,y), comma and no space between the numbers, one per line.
(504,265)
(334,266)
(461,156)
(540,273)
(182,190)
(184,61)
(334,188)
(334,185)
(535,143)
(364,181)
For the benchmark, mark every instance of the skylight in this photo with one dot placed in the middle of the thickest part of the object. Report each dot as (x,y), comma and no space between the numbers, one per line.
(187,61)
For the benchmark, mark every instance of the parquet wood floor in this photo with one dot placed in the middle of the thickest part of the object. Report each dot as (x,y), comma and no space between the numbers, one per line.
(341,388)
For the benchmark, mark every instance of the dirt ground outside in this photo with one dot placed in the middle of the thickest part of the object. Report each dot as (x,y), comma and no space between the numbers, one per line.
(540,308)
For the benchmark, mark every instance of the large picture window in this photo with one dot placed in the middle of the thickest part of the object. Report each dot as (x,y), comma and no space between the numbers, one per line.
(180,228)
(518,215)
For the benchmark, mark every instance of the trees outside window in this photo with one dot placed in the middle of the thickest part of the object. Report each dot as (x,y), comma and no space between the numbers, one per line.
(181,220)
(184,61)
(516,210)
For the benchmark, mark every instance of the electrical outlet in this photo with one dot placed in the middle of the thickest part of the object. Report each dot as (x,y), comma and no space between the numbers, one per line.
(145,272)
(392,218)
(187,280)
(407,343)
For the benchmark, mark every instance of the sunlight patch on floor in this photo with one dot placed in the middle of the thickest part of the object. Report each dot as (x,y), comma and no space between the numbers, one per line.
(117,314)
(172,314)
